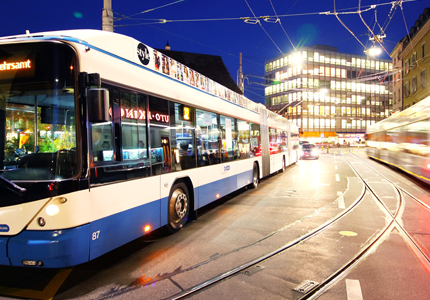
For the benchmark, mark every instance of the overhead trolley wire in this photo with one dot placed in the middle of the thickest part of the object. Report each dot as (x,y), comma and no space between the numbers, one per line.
(390,16)
(258,21)
(370,30)
(162,6)
(255,19)
(277,19)
(346,27)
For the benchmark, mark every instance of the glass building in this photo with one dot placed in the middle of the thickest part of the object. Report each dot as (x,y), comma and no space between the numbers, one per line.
(331,96)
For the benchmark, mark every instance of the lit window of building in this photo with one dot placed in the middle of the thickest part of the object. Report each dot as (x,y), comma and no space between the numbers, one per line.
(331,94)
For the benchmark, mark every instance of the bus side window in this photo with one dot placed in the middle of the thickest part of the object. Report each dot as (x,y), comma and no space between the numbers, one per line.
(208,138)
(255,140)
(243,140)
(159,135)
(134,128)
(101,142)
(182,137)
(229,148)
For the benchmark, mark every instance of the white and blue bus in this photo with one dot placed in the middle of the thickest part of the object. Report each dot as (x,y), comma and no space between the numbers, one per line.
(104,139)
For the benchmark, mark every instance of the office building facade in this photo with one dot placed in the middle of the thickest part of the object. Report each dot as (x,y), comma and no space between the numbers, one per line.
(331,96)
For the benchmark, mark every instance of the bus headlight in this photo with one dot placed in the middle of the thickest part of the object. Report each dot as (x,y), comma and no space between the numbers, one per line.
(52,210)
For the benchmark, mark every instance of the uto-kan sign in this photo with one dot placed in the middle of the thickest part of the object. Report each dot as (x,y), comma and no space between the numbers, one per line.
(139,114)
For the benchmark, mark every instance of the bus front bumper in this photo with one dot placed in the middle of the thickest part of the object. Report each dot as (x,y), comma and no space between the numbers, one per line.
(47,249)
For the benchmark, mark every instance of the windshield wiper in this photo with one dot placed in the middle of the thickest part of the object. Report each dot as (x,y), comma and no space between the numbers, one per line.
(12,186)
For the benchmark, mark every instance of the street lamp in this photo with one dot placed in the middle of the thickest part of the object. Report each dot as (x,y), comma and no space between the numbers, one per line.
(373,51)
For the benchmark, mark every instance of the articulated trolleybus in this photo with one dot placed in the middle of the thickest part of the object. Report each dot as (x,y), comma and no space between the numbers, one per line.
(403,140)
(105,139)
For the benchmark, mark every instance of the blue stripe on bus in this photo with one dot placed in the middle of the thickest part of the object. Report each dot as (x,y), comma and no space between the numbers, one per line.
(244,178)
(116,230)
(208,192)
(55,248)
(4,260)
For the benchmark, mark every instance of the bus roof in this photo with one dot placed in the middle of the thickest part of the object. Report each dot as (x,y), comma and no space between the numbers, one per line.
(125,47)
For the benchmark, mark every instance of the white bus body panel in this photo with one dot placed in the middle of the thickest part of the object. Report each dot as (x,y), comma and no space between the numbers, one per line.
(75,211)
(110,199)
(18,216)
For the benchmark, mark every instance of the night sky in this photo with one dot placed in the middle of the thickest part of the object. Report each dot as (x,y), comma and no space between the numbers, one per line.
(214,27)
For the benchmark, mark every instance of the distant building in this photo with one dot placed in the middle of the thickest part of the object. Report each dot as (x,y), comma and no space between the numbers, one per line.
(331,96)
(211,66)
(415,58)
(397,83)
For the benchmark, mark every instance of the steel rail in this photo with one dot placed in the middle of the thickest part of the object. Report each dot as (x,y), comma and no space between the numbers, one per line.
(347,267)
(204,285)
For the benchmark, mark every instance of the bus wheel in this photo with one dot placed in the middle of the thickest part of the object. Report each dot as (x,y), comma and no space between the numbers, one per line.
(179,207)
(255,180)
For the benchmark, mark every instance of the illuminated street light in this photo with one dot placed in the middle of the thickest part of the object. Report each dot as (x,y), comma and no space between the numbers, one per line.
(297,58)
(374,51)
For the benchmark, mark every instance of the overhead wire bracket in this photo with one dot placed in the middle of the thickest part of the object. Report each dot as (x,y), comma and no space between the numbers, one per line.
(269,19)
(249,20)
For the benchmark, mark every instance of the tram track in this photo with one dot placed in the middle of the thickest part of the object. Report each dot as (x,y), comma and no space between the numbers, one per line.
(244,267)
(394,223)
(399,225)
(254,263)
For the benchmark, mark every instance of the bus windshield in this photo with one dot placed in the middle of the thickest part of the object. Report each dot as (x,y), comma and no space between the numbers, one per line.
(37,111)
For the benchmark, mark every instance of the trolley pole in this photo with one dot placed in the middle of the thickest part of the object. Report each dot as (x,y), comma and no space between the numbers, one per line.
(240,75)
(107,16)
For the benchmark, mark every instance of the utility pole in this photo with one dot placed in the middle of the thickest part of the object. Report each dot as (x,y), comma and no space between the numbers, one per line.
(107,16)
(240,75)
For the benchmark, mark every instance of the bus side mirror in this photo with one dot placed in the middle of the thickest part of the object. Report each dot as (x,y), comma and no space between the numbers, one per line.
(98,105)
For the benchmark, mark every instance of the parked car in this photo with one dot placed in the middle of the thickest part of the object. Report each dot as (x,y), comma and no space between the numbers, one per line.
(309,151)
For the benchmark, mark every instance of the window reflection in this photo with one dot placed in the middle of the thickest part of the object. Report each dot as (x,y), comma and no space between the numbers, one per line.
(208,138)
(182,137)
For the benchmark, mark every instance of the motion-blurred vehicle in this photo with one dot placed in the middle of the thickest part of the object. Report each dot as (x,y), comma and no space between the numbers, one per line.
(303,142)
(359,144)
(309,151)
(403,140)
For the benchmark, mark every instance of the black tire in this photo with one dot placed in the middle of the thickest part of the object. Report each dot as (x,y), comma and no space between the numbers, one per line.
(255,177)
(178,207)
